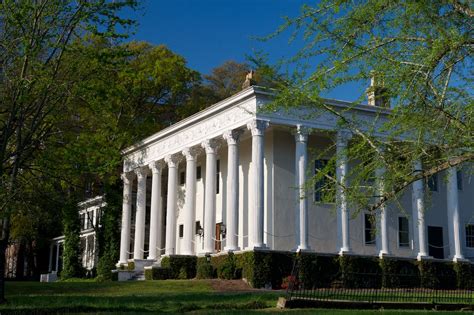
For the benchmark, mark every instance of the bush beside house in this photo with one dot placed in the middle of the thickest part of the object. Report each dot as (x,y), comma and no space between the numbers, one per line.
(274,269)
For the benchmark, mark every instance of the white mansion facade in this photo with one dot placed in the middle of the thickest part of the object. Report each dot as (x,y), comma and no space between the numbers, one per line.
(226,178)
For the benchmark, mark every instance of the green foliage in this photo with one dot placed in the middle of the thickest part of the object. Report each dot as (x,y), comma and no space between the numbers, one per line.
(204,269)
(419,56)
(464,275)
(72,266)
(131,266)
(355,271)
(108,234)
(157,273)
(317,271)
(437,274)
(180,266)
(228,269)
(399,273)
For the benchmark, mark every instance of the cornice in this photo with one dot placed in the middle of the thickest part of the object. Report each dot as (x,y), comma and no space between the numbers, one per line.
(208,112)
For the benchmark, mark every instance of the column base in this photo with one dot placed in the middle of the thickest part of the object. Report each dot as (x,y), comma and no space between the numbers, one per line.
(423,256)
(383,254)
(231,249)
(345,251)
(303,249)
(460,259)
(259,247)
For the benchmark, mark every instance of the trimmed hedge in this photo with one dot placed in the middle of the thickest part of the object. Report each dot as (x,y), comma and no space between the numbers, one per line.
(437,274)
(399,273)
(464,275)
(360,271)
(157,273)
(180,266)
(204,269)
(265,268)
(318,271)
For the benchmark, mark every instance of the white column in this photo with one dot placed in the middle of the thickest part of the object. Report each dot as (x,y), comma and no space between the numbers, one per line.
(57,256)
(257,128)
(126,217)
(455,247)
(156,216)
(342,139)
(232,138)
(210,195)
(172,161)
(190,201)
(50,264)
(382,216)
(140,213)
(301,164)
(418,206)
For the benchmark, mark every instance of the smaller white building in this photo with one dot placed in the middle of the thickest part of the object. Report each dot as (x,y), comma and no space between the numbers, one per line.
(89,214)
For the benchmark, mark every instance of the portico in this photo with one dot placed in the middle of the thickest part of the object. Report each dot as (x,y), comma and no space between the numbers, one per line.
(231,178)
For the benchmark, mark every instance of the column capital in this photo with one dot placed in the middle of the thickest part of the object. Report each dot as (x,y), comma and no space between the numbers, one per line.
(156,166)
(127,177)
(232,136)
(210,145)
(301,133)
(142,172)
(257,127)
(342,137)
(190,153)
(173,160)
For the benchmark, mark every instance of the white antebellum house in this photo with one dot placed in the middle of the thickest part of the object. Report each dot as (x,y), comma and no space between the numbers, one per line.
(89,216)
(226,178)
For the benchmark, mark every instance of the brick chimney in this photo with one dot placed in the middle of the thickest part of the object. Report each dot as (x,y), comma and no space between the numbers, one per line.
(376,92)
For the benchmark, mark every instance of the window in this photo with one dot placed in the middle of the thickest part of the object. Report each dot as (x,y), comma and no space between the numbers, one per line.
(403,234)
(470,235)
(181,230)
(198,173)
(82,218)
(433,182)
(324,189)
(218,170)
(369,229)
(459,178)
(198,226)
(182,178)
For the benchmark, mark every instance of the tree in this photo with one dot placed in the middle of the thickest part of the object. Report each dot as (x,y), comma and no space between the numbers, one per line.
(34,85)
(420,52)
(226,79)
(72,265)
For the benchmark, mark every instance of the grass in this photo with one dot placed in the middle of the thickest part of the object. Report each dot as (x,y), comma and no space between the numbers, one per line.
(170,296)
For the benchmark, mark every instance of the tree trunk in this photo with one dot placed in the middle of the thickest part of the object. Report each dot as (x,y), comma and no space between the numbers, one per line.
(3,247)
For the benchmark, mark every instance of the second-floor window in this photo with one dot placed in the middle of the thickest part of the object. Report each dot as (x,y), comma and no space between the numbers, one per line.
(324,188)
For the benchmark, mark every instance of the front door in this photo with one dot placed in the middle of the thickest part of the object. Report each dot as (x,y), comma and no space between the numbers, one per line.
(435,242)
(217,242)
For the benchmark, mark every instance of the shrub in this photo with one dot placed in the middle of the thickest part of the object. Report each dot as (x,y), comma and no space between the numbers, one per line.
(464,275)
(131,266)
(204,269)
(181,267)
(157,273)
(228,268)
(317,271)
(437,274)
(399,273)
(360,272)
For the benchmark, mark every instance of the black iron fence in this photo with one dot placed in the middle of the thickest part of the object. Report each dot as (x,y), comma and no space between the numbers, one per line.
(377,287)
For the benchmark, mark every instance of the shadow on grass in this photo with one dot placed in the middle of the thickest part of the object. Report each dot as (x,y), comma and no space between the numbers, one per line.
(175,303)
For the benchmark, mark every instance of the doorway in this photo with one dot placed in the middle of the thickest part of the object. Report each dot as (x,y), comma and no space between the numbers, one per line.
(218,242)
(435,242)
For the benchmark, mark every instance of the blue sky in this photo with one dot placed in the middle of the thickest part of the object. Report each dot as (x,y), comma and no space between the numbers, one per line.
(208,32)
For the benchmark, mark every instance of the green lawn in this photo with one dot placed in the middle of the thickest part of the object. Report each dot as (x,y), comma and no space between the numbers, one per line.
(172,296)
